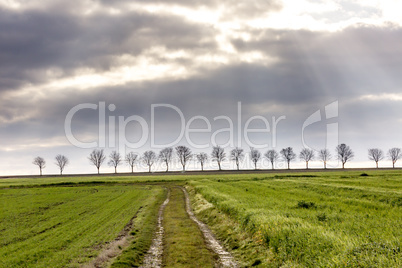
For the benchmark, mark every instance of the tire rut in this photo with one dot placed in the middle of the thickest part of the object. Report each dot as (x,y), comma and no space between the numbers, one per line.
(153,258)
(225,258)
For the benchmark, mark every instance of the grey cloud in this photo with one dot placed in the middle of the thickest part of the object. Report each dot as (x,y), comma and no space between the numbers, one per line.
(32,42)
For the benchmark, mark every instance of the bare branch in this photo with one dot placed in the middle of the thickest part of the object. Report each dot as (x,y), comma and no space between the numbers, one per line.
(62,161)
(375,155)
(131,159)
(202,158)
(184,154)
(237,154)
(40,162)
(307,155)
(394,154)
(218,154)
(97,157)
(344,153)
(272,156)
(288,155)
(255,156)
(115,160)
(149,158)
(166,156)
(324,155)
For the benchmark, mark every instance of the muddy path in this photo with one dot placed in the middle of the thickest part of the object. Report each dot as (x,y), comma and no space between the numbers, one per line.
(225,258)
(153,258)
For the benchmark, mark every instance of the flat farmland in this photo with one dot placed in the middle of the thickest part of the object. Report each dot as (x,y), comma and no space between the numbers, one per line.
(65,226)
(350,218)
(309,220)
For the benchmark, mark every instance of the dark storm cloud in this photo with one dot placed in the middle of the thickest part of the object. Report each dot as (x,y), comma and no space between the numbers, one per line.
(35,41)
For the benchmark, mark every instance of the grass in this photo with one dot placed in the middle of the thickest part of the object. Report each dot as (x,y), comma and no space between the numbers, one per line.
(295,219)
(64,226)
(184,245)
(315,220)
(141,235)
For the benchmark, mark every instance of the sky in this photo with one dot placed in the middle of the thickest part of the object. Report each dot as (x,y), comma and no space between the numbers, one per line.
(139,75)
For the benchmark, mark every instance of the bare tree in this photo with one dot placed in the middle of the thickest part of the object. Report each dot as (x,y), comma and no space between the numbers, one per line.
(131,158)
(166,156)
(149,158)
(184,154)
(96,158)
(375,155)
(61,162)
(288,155)
(115,160)
(40,162)
(202,158)
(324,156)
(272,156)
(237,154)
(344,153)
(306,155)
(218,154)
(394,154)
(255,156)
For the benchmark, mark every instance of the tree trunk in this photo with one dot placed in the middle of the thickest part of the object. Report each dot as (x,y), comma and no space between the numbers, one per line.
(202,167)
(343,165)
(272,163)
(132,169)
(237,164)
(393,164)
(306,164)
(40,169)
(219,164)
(376,164)
(255,165)
(115,170)
(184,168)
(98,170)
(149,169)
(167,167)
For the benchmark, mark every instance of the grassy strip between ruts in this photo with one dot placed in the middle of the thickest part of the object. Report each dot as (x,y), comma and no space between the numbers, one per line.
(184,243)
(247,249)
(141,234)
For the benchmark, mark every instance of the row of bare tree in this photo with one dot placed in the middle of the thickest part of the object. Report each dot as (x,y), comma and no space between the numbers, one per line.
(184,154)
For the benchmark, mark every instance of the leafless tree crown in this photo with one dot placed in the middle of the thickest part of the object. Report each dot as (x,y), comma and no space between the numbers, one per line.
(166,156)
(394,154)
(184,154)
(218,154)
(202,158)
(61,161)
(40,162)
(115,160)
(324,155)
(272,156)
(149,158)
(97,157)
(344,153)
(131,159)
(306,155)
(255,156)
(237,155)
(288,155)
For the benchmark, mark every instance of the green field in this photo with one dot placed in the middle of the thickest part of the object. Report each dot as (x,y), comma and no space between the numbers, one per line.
(65,226)
(314,219)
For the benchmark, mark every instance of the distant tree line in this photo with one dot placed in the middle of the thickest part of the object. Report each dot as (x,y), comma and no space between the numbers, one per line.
(184,154)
